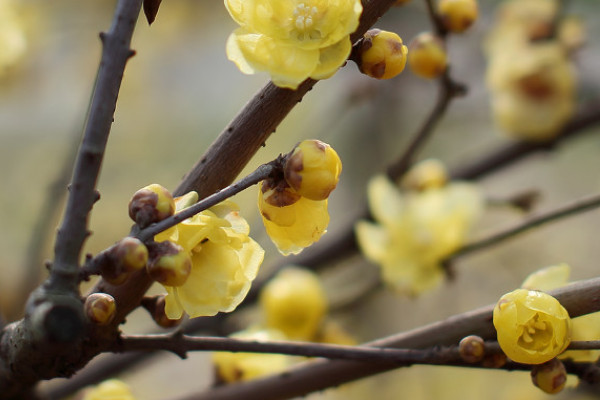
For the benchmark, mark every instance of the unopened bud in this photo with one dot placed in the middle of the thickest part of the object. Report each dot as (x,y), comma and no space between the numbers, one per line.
(457,15)
(550,376)
(127,255)
(273,202)
(313,169)
(170,264)
(151,204)
(471,349)
(428,57)
(426,174)
(156,308)
(100,308)
(381,54)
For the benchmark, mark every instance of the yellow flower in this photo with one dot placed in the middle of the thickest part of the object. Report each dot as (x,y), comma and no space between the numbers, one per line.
(416,231)
(12,37)
(294,303)
(225,261)
(293,39)
(533,327)
(111,389)
(294,226)
(235,367)
(585,327)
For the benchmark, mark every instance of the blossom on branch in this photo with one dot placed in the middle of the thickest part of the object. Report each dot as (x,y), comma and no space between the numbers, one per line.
(292,39)
(416,230)
(112,389)
(225,260)
(532,327)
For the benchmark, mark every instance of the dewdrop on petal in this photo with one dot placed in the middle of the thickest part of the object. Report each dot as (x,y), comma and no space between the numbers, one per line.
(294,303)
(313,169)
(100,308)
(550,376)
(457,15)
(427,56)
(532,327)
(171,265)
(151,204)
(381,54)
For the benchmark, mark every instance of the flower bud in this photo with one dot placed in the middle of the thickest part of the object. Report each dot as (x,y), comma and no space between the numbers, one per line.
(127,255)
(151,204)
(457,15)
(294,303)
(428,57)
(425,175)
(550,376)
(532,327)
(156,308)
(471,349)
(170,264)
(274,204)
(100,308)
(313,169)
(381,54)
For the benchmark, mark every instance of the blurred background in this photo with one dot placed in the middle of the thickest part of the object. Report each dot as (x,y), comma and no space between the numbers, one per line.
(178,93)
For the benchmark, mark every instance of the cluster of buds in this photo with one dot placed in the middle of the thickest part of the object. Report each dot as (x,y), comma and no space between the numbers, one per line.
(294,204)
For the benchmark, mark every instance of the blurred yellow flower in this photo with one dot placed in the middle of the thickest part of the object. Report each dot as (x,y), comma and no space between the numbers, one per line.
(112,389)
(585,327)
(235,367)
(532,327)
(416,231)
(12,36)
(294,303)
(225,261)
(293,39)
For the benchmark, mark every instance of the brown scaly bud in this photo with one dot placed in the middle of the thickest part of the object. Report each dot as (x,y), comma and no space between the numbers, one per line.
(156,307)
(550,376)
(169,264)
(127,255)
(151,204)
(471,349)
(100,308)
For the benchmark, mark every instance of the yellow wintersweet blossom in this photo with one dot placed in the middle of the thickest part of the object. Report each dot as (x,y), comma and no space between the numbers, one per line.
(295,226)
(112,389)
(585,327)
(294,302)
(12,36)
(415,231)
(225,260)
(236,367)
(532,326)
(292,39)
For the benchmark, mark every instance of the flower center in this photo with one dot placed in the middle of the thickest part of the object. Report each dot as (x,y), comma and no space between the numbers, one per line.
(536,334)
(304,21)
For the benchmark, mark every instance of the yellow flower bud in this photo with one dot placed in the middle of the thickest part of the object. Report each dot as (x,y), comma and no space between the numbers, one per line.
(550,376)
(313,169)
(100,308)
(236,367)
(151,204)
(132,253)
(428,57)
(533,327)
(425,174)
(111,389)
(457,15)
(294,303)
(381,54)
(171,264)
(471,349)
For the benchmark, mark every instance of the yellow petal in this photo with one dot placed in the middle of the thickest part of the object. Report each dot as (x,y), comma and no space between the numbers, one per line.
(331,59)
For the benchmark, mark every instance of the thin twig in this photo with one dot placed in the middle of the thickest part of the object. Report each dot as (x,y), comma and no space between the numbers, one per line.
(578,298)
(573,208)
(261,173)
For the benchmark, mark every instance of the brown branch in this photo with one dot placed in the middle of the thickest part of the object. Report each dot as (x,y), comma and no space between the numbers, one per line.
(573,208)
(36,347)
(578,298)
